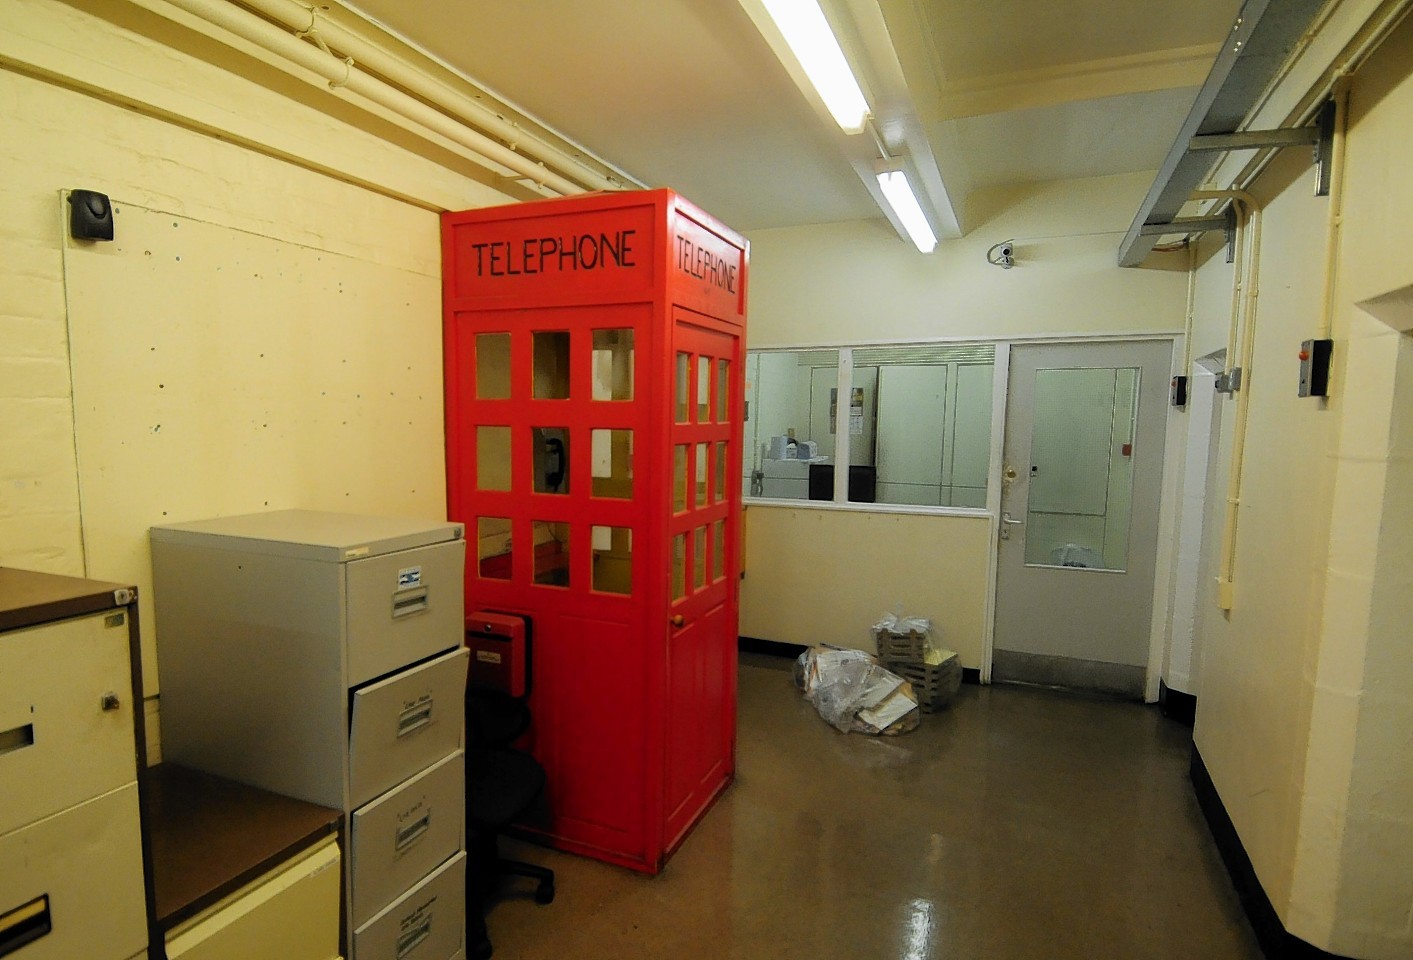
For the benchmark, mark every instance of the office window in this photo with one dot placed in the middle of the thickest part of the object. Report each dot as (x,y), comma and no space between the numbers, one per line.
(787,424)
(917,419)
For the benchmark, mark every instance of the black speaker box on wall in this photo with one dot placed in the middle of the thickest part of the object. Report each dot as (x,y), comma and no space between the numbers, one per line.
(90,215)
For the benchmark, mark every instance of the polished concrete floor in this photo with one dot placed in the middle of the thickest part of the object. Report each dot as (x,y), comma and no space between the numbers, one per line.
(1020,824)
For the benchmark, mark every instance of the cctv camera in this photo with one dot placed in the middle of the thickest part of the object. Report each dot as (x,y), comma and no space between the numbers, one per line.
(1007,251)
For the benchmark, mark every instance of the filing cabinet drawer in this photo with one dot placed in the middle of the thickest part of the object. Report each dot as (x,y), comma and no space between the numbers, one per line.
(58,744)
(404,724)
(428,922)
(400,837)
(72,883)
(403,607)
(291,913)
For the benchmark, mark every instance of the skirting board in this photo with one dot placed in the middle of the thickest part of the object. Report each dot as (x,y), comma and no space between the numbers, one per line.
(1094,676)
(1176,705)
(1276,942)
(775,648)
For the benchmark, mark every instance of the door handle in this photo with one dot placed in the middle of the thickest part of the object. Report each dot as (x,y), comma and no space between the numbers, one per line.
(678,619)
(1008,521)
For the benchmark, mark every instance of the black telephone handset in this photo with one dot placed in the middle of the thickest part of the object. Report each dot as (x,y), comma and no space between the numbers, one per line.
(554,464)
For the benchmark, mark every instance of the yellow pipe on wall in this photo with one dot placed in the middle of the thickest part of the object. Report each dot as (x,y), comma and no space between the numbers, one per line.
(1243,321)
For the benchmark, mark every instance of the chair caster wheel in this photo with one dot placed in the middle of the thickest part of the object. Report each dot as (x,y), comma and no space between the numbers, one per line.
(544,893)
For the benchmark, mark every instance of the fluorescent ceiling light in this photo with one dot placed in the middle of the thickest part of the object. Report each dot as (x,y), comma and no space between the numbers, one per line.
(898,193)
(804,28)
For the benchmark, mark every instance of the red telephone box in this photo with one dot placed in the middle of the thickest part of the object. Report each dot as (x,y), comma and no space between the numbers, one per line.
(594,399)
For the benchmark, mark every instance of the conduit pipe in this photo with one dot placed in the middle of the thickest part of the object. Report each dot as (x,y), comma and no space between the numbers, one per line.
(343,74)
(1246,280)
(1335,212)
(306,21)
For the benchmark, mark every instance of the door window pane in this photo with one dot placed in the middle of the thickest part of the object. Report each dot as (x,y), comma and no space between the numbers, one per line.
(719,491)
(493,547)
(681,384)
(492,366)
(613,559)
(700,477)
(612,453)
(723,389)
(718,550)
(699,541)
(679,478)
(551,364)
(1080,475)
(551,553)
(704,389)
(550,449)
(613,364)
(492,458)
(679,566)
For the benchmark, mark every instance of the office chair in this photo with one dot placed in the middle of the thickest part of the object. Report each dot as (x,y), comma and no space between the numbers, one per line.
(502,783)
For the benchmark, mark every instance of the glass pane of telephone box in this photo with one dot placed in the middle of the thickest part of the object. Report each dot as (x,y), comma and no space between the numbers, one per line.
(679,566)
(551,364)
(492,458)
(492,366)
(718,555)
(613,364)
(704,389)
(723,388)
(701,475)
(612,454)
(681,385)
(493,547)
(719,490)
(699,539)
(613,559)
(551,553)
(679,478)
(550,448)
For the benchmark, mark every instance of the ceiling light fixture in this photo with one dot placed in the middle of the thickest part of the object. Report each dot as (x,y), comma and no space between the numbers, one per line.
(899,194)
(802,24)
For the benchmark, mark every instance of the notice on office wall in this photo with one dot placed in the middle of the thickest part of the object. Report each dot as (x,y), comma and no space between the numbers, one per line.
(856,411)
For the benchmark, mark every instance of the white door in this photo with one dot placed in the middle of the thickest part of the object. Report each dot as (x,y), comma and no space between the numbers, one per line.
(1083,465)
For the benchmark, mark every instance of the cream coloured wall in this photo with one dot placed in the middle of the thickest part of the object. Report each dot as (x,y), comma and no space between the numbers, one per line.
(826,576)
(277,186)
(1305,717)
(856,282)
(1255,658)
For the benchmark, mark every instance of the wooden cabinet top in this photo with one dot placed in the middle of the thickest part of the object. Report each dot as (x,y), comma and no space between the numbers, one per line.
(28,598)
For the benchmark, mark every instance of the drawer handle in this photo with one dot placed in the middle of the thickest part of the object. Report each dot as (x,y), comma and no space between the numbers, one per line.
(414,718)
(407,602)
(24,924)
(16,739)
(413,832)
(409,939)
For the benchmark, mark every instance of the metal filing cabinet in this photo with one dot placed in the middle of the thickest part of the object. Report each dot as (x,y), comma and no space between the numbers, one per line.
(71,877)
(319,655)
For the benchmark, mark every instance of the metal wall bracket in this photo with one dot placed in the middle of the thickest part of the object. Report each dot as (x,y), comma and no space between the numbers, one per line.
(1324,148)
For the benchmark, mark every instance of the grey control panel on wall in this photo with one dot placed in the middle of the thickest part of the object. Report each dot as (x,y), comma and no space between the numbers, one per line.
(1315,357)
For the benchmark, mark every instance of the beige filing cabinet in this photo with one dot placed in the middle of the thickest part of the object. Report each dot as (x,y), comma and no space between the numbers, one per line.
(319,655)
(71,743)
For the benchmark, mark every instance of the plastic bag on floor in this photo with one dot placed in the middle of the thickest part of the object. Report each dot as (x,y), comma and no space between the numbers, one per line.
(852,692)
